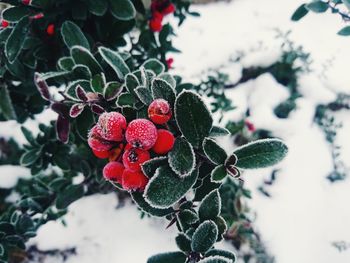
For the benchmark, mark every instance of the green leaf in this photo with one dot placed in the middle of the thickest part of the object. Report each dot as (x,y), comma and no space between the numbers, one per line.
(112,90)
(186,218)
(160,191)
(300,13)
(182,159)
(170,257)
(218,173)
(183,242)
(28,135)
(317,6)
(210,207)
(215,259)
(193,117)
(30,157)
(71,88)
(168,78)
(217,131)
(222,253)
(69,195)
(260,154)
(83,56)
(149,167)
(125,99)
(98,8)
(346,3)
(204,237)
(222,226)
(213,151)
(345,31)
(15,41)
(73,36)
(144,95)
(16,13)
(147,208)
(115,61)
(131,83)
(122,9)
(155,65)
(162,90)
(6,106)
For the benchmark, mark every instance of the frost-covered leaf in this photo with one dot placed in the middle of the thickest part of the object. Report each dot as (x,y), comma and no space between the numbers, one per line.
(66,63)
(30,157)
(183,242)
(169,257)
(260,154)
(144,95)
(217,131)
(62,128)
(16,39)
(160,191)
(42,87)
(210,207)
(76,110)
(155,65)
(149,167)
(204,237)
(122,9)
(168,78)
(71,90)
(115,61)
(182,159)
(80,93)
(98,83)
(162,90)
(147,208)
(131,83)
(213,151)
(69,195)
(95,108)
(15,13)
(125,99)
(218,174)
(186,218)
(81,72)
(98,8)
(83,56)
(222,226)
(6,106)
(112,90)
(193,117)
(73,36)
(215,259)
(222,253)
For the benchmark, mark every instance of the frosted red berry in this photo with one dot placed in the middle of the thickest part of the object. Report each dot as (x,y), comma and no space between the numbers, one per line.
(50,30)
(134,157)
(101,154)
(4,23)
(96,142)
(164,143)
(159,111)
(132,180)
(141,133)
(113,126)
(113,171)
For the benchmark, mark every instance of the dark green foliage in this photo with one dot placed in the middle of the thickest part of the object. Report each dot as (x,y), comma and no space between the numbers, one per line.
(173,257)
(215,259)
(210,206)
(219,173)
(300,13)
(182,159)
(183,242)
(69,195)
(147,208)
(204,237)
(150,167)
(162,90)
(317,6)
(222,253)
(213,151)
(73,36)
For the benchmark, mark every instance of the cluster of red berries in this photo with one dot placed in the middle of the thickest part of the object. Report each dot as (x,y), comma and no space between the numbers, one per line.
(128,146)
(159,9)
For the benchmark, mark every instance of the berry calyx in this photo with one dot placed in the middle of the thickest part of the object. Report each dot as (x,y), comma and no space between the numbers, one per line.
(165,142)
(134,157)
(159,111)
(132,180)
(96,142)
(113,125)
(4,23)
(50,30)
(141,133)
(113,171)
(101,154)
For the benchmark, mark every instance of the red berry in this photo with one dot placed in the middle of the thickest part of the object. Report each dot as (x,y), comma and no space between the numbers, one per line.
(133,158)
(50,29)
(4,23)
(170,62)
(113,171)
(38,16)
(26,2)
(132,180)
(164,143)
(101,154)
(169,9)
(155,25)
(250,126)
(141,133)
(96,142)
(113,125)
(116,152)
(159,111)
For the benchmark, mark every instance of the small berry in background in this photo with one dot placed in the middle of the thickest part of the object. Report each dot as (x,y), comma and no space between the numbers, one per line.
(141,133)
(50,30)
(164,143)
(170,62)
(159,111)
(4,23)
(250,126)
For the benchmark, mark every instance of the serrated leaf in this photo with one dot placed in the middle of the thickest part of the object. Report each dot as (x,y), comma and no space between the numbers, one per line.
(213,151)
(6,106)
(160,191)
(112,90)
(218,173)
(300,13)
(155,65)
(73,36)
(16,39)
(260,154)
(144,95)
(204,237)
(162,90)
(147,208)
(16,13)
(193,117)
(122,9)
(210,206)
(83,56)
(69,195)
(170,257)
(115,61)
(149,167)
(317,6)
(182,159)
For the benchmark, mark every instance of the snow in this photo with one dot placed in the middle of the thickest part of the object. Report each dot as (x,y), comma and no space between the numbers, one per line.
(306,213)
(10,174)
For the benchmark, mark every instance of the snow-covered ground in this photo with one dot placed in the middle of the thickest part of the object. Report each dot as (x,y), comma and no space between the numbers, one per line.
(306,213)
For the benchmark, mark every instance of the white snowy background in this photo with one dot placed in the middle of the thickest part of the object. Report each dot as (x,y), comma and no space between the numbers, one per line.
(306,213)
